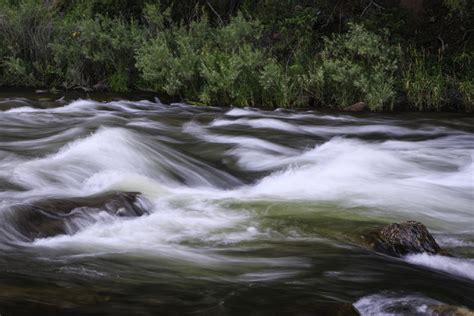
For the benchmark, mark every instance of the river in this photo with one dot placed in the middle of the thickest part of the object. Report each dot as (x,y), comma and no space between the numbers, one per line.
(247,211)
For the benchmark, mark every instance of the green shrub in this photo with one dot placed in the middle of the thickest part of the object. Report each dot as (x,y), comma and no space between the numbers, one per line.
(355,66)
(88,9)
(97,50)
(26,29)
(424,82)
(15,73)
(455,6)
(230,65)
(467,90)
(212,65)
(170,62)
(282,87)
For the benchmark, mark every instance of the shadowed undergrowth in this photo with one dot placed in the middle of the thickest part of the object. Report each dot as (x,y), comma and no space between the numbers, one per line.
(242,53)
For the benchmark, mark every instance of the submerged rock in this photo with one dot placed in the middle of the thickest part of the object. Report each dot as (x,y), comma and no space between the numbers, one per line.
(320,308)
(53,217)
(342,309)
(405,238)
(450,310)
(356,107)
(100,87)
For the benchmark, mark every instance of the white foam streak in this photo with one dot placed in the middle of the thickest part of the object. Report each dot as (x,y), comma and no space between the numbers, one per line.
(268,123)
(21,109)
(327,131)
(110,158)
(361,174)
(162,232)
(457,266)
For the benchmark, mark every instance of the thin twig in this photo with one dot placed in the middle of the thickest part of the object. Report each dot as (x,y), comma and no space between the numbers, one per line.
(371,3)
(215,12)
(442,43)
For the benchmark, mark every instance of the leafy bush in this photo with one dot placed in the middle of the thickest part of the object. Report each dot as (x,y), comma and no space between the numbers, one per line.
(97,50)
(455,6)
(26,29)
(15,73)
(425,85)
(355,66)
(212,65)
(169,63)
(282,86)
(467,90)
(230,67)
(463,68)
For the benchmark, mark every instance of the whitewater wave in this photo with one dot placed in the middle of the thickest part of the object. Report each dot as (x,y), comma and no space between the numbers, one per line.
(420,173)
(166,233)
(358,173)
(458,266)
(81,166)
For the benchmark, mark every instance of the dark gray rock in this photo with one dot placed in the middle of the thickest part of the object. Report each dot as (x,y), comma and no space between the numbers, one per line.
(51,217)
(100,87)
(450,310)
(405,238)
(356,107)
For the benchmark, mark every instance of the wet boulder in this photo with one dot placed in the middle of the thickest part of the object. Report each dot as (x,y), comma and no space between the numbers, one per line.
(450,310)
(320,308)
(56,216)
(100,87)
(403,239)
(356,107)
(336,309)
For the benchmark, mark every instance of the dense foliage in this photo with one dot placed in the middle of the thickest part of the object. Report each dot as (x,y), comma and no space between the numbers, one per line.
(239,52)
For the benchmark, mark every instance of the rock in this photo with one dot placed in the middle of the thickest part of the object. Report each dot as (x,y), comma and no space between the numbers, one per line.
(100,87)
(53,217)
(320,308)
(356,107)
(405,238)
(83,88)
(342,309)
(450,310)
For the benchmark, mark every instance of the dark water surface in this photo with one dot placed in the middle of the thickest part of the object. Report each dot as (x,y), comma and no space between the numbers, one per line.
(250,212)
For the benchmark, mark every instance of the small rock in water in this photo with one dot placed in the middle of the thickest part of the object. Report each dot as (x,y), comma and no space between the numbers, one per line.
(405,238)
(100,87)
(450,310)
(342,309)
(356,107)
(330,309)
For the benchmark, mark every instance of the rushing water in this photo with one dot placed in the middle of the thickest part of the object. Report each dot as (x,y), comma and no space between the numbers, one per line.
(250,212)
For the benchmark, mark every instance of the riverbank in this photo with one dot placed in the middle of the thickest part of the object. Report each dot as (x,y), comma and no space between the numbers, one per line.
(54,98)
(298,54)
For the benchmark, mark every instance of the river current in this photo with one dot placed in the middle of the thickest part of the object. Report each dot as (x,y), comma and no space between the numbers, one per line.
(247,211)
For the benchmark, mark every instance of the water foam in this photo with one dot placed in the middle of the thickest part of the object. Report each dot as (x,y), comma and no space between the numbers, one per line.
(358,173)
(116,154)
(457,266)
(165,232)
